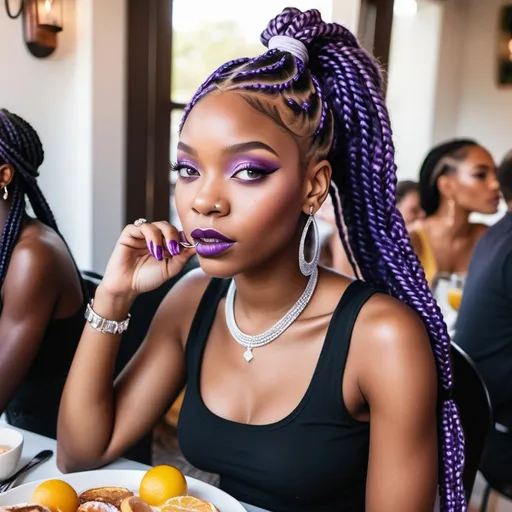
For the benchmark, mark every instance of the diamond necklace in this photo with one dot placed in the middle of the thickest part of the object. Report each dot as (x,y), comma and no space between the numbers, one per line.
(260,340)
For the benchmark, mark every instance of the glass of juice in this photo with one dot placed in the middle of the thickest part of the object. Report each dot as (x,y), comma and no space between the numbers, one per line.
(455,291)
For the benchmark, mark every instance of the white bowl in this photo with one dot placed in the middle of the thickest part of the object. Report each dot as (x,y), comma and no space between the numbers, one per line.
(9,460)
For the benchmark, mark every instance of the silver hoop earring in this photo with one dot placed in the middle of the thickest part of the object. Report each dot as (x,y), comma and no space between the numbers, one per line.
(6,193)
(307,267)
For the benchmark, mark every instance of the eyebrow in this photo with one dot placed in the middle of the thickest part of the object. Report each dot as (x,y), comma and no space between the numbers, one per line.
(236,148)
(187,149)
(250,146)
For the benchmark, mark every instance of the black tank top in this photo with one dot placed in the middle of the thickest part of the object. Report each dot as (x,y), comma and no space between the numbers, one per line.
(314,459)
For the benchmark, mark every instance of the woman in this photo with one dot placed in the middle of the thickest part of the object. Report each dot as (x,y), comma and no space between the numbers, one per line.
(42,297)
(408,203)
(283,416)
(457,178)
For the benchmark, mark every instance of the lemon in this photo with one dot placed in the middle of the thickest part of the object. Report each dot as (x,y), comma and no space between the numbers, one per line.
(160,484)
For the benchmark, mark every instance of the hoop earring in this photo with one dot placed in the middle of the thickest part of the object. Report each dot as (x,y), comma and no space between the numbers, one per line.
(307,267)
(6,193)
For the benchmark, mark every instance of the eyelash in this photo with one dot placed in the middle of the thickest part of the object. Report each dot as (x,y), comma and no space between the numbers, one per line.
(177,167)
(262,174)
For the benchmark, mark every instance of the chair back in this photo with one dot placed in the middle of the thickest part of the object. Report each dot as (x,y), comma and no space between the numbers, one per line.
(472,398)
(91,281)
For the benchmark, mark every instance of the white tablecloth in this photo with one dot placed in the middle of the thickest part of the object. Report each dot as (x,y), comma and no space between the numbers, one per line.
(34,443)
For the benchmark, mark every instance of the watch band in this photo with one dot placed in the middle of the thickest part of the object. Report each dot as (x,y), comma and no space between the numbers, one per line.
(102,324)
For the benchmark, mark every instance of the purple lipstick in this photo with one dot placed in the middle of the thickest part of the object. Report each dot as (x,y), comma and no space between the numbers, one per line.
(209,242)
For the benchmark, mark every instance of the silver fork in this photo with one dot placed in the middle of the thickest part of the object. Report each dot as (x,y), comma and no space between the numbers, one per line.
(38,459)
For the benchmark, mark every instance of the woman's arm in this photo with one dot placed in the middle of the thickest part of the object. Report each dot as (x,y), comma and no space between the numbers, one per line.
(398,380)
(29,297)
(99,422)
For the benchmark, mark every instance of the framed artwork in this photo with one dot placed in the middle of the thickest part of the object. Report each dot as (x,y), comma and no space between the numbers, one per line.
(505,46)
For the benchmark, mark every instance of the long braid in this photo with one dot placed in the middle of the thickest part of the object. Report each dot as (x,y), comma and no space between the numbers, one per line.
(335,107)
(21,148)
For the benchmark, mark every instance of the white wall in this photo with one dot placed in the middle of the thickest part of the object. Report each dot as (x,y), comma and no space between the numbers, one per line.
(346,13)
(75,99)
(485,110)
(411,95)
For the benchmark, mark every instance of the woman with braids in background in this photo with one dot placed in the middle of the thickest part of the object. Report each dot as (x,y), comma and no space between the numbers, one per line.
(42,297)
(305,390)
(457,178)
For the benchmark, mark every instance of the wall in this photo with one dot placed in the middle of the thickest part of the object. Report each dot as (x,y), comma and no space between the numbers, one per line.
(485,110)
(347,13)
(411,95)
(75,100)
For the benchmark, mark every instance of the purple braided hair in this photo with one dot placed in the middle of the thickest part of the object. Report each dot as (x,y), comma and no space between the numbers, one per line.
(21,148)
(346,121)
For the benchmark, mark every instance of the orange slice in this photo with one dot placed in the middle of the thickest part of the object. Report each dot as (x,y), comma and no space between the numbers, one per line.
(188,504)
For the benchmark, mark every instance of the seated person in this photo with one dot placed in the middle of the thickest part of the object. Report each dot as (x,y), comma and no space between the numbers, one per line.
(42,299)
(408,203)
(484,328)
(306,390)
(457,178)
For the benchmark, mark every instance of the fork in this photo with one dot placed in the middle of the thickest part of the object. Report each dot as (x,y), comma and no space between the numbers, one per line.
(38,459)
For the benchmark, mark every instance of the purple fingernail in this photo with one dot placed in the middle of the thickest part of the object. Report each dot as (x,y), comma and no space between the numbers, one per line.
(174,248)
(159,253)
(151,248)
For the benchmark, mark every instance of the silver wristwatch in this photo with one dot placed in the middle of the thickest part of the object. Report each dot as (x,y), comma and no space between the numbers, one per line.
(102,324)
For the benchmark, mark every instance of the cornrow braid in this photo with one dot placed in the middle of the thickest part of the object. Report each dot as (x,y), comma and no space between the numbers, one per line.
(21,148)
(342,116)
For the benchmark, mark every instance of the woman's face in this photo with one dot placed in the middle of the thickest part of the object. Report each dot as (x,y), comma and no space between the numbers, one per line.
(474,185)
(410,209)
(241,190)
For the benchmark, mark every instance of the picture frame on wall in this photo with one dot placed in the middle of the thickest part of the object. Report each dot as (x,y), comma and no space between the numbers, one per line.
(504,69)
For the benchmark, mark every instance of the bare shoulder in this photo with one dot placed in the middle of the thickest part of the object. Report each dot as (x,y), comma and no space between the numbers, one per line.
(182,301)
(38,250)
(392,344)
(386,322)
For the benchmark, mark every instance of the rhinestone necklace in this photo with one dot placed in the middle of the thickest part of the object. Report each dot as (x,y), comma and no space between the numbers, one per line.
(260,340)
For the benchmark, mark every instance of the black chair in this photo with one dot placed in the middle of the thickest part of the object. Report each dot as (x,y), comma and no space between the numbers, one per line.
(495,460)
(91,281)
(472,398)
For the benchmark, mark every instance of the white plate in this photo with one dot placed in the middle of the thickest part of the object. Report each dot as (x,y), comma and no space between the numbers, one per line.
(123,478)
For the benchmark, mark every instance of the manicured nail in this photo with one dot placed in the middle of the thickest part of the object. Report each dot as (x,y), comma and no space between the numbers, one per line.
(174,248)
(151,248)
(159,253)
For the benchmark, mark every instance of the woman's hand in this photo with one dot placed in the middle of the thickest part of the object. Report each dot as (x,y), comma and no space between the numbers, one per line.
(144,258)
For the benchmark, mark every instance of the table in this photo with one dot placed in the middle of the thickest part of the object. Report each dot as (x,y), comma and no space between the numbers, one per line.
(34,443)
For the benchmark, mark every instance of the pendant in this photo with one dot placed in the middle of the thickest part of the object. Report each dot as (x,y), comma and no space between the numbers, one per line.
(248,356)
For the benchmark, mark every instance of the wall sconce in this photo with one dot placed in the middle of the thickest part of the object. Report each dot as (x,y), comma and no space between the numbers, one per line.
(42,20)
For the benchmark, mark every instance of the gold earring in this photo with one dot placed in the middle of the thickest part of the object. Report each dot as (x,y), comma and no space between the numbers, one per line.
(6,193)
